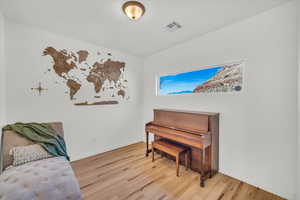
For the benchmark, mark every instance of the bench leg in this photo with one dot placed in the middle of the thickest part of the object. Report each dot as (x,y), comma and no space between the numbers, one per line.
(152,152)
(177,165)
(186,159)
(190,159)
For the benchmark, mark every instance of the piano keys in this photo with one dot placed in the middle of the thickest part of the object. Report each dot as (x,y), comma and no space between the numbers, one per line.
(197,130)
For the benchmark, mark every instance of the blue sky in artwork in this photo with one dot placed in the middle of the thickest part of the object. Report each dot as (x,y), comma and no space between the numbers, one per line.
(185,82)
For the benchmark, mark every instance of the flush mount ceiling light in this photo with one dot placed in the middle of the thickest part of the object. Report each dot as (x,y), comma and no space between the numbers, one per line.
(133,9)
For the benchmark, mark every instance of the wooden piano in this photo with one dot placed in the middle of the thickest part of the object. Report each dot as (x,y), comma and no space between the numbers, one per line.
(197,130)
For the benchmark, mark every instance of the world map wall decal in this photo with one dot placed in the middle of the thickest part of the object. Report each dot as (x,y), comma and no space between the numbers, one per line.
(88,79)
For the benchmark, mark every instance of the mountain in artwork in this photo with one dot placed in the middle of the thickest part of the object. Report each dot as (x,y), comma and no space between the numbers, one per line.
(228,79)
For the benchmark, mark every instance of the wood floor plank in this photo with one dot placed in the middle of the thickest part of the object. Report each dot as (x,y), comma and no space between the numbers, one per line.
(126,174)
(232,189)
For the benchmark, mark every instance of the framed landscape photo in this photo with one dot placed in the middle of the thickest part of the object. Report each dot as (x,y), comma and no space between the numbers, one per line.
(223,78)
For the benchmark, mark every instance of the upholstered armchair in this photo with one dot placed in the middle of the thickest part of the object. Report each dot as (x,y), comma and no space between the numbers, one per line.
(51,178)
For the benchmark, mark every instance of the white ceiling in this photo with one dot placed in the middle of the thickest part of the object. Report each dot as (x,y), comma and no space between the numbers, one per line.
(102,22)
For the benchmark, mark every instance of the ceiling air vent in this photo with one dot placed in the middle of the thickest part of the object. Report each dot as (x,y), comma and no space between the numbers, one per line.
(174,26)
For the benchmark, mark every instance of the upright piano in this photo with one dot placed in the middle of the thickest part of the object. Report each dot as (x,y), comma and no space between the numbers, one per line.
(197,130)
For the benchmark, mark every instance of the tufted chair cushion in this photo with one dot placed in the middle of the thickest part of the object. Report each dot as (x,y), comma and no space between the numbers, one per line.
(52,178)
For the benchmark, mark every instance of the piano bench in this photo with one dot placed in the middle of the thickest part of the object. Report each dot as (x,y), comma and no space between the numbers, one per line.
(173,150)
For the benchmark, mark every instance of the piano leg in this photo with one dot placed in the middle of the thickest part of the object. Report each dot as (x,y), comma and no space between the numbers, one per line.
(209,167)
(202,160)
(147,144)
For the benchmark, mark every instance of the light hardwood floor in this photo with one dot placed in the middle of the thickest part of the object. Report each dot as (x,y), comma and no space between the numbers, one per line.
(126,173)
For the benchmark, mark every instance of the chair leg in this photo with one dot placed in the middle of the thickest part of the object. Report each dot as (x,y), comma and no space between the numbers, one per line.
(152,152)
(177,165)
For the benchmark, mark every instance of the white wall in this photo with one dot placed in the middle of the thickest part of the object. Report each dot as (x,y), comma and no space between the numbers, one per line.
(2,73)
(258,126)
(89,129)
